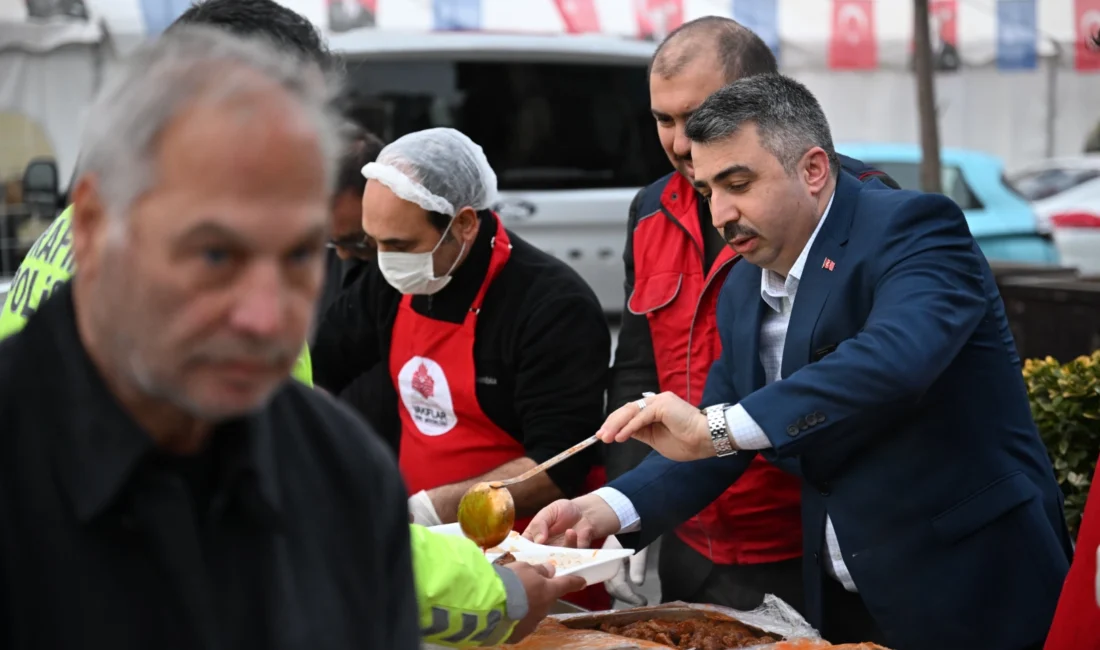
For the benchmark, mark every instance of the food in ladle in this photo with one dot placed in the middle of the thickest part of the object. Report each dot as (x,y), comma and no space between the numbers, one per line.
(486,514)
(507,558)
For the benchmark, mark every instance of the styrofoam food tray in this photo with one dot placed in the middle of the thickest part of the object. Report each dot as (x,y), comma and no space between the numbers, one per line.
(594,565)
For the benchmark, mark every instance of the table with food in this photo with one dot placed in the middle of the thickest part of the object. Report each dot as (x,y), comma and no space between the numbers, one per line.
(775,625)
(486,515)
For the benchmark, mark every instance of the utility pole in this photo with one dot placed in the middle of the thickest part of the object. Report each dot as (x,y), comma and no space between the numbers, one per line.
(930,179)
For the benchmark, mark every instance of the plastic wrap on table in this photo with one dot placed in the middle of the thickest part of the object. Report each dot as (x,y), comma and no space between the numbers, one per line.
(773,616)
(818,644)
(582,630)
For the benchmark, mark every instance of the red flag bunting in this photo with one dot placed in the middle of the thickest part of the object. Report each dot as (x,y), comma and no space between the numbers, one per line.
(944,16)
(852,43)
(656,18)
(579,15)
(1087,20)
(943,24)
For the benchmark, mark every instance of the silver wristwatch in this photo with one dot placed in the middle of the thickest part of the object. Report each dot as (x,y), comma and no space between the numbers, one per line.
(719,429)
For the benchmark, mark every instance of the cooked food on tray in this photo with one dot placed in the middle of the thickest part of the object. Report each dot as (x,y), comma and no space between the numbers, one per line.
(700,634)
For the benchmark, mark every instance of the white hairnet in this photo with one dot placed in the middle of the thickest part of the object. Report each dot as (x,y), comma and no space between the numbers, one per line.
(441,170)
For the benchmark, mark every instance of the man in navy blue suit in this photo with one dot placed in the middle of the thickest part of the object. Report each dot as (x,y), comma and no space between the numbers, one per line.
(866,350)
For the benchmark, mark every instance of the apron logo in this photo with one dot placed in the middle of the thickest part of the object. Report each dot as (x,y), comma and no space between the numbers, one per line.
(422,382)
(426,395)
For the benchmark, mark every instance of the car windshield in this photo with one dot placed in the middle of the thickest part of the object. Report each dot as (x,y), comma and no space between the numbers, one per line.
(1042,184)
(543,125)
(907,175)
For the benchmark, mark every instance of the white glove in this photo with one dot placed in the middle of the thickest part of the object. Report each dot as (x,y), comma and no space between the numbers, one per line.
(422,510)
(631,575)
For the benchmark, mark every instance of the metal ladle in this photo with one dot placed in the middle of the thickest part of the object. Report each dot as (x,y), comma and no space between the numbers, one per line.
(487,512)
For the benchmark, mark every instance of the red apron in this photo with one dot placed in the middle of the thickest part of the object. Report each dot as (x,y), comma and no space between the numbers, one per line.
(445,436)
(1076,623)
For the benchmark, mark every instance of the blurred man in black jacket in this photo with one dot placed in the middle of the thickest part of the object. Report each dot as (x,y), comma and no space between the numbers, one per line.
(162,482)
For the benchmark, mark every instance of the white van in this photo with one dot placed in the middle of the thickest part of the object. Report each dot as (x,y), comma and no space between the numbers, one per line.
(564,121)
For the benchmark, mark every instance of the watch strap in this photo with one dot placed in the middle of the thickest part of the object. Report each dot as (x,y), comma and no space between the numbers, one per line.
(719,429)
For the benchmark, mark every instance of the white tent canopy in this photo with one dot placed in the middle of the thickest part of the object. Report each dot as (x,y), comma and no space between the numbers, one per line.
(48,72)
(50,67)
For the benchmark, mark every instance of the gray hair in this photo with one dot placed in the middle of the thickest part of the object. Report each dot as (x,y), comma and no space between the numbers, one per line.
(163,78)
(788,118)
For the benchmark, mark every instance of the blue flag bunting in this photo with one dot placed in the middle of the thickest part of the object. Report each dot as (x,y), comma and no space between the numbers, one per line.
(1017,35)
(762,17)
(456,15)
(159,14)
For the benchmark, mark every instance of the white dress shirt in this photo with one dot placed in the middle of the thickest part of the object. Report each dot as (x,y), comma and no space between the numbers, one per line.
(778,293)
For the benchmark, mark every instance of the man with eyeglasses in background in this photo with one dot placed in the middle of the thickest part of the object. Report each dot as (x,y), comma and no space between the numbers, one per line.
(351,255)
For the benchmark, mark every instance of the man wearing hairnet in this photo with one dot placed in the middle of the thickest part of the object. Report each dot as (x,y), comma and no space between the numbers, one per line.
(498,351)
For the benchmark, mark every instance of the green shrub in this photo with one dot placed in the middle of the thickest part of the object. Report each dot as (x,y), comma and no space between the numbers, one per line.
(1065,402)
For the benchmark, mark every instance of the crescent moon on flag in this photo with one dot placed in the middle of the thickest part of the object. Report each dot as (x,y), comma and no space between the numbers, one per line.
(1088,27)
(852,22)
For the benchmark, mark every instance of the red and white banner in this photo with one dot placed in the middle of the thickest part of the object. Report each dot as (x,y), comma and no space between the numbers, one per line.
(1087,25)
(656,18)
(944,18)
(943,28)
(579,16)
(852,44)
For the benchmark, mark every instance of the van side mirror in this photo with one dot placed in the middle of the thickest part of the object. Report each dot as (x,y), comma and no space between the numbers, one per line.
(41,186)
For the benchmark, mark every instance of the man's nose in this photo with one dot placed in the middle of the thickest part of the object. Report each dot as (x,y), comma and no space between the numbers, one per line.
(681,146)
(723,211)
(259,304)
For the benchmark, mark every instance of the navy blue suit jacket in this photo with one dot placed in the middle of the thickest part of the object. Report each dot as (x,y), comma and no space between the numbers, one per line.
(903,408)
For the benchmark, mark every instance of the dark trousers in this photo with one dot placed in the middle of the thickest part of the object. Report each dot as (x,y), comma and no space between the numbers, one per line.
(846,619)
(688,576)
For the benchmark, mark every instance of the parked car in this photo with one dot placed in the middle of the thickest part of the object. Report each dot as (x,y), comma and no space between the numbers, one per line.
(1065,194)
(1059,186)
(1003,222)
(564,121)
(1077,236)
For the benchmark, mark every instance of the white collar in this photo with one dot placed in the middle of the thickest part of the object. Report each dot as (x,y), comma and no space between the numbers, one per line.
(773,287)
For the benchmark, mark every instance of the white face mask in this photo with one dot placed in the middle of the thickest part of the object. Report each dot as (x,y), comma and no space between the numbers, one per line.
(414,273)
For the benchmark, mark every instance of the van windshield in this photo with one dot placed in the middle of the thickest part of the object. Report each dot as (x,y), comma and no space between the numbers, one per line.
(543,126)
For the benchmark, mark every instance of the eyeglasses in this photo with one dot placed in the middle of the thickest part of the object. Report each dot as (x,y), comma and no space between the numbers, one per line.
(353,245)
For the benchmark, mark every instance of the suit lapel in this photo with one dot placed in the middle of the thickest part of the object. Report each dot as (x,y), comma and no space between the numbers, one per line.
(746,339)
(820,274)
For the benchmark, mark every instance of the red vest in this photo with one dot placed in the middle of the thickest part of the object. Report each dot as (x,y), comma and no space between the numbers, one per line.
(758,519)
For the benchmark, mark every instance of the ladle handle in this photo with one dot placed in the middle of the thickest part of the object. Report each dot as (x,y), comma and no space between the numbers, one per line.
(542,467)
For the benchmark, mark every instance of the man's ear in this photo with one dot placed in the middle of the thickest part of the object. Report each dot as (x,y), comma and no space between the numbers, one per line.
(465,225)
(816,169)
(89,222)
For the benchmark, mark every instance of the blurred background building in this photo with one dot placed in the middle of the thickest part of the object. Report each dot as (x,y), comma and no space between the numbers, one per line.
(556,93)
